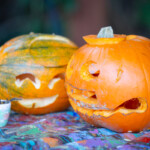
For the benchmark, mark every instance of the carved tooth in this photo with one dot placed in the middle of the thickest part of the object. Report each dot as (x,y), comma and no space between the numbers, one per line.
(52,82)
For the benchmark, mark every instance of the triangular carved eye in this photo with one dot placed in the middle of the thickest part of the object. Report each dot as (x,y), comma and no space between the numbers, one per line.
(94,96)
(93,70)
(133,103)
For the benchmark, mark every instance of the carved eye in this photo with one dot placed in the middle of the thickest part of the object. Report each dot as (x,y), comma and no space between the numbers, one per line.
(56,79)
(93,70)
(27,76)
(89,71)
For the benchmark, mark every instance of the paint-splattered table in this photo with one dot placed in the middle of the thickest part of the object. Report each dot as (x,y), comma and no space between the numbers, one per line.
(65,130)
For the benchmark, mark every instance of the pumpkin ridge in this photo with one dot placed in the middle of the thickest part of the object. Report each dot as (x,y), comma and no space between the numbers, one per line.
(63,66)
(144,73)
(19,49)
(146,80)
(28,48)
(16,58)
(20,65)
(33,66)
(55,47)
(6,73)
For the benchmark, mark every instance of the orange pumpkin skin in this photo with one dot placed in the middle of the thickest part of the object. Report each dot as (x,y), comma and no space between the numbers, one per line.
(108,82)
(33,68)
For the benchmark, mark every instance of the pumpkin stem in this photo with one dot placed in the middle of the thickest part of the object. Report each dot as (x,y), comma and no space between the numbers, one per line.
(106,32)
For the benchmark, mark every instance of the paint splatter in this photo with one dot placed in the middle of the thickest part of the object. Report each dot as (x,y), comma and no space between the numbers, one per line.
(65,130)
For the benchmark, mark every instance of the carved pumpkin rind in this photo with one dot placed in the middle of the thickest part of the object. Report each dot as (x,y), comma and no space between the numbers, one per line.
(107,74)
(60,104)
(32,67)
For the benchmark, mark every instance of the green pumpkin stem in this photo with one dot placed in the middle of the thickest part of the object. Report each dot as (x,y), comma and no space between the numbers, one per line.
(106,32)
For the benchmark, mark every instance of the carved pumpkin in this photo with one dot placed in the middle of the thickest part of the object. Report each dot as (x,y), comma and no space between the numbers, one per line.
(32,68)
(108,81)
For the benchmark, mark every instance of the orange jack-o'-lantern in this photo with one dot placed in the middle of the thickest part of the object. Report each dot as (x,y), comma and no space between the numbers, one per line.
(108,81)
(32,68)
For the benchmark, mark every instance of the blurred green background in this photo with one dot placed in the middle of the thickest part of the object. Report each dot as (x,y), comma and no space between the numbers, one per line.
(73,18)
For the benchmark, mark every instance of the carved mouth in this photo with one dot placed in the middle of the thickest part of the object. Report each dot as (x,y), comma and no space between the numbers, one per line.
(86,101)
(38,102)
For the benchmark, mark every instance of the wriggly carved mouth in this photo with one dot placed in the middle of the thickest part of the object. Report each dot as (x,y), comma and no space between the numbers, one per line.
(86,101)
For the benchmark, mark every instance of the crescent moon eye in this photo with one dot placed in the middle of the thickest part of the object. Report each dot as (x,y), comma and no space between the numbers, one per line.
(56,79)
(53,82)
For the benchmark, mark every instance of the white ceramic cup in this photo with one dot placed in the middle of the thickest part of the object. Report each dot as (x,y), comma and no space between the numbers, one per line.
(5,106)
